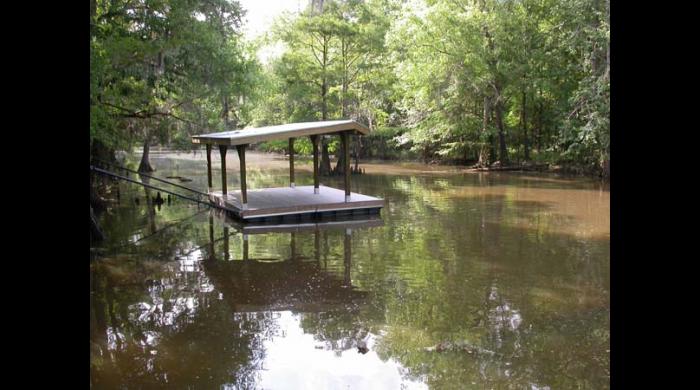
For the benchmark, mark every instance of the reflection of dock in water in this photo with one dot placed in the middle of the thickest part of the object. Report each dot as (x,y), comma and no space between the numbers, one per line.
(251,284)
(285,285)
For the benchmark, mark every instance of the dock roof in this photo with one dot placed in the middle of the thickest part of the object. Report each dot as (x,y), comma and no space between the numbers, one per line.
(268,133)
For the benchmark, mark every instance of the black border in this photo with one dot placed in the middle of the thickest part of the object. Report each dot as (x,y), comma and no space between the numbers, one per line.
(49,51)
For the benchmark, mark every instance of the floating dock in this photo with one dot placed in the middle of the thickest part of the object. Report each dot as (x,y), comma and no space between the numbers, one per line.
(288,203)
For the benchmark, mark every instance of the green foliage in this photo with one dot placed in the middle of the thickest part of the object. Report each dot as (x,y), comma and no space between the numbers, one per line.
(435,79)
(162,70)
(455,77)
(333,65)
(302,146)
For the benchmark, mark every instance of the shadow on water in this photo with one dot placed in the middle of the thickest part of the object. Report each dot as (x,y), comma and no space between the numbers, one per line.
(463,284)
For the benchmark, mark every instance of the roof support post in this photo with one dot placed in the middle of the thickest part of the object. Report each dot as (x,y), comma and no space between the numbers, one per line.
(222,150)
(345,137)
(314,142)
(244,194)
(209,166)
(291,162)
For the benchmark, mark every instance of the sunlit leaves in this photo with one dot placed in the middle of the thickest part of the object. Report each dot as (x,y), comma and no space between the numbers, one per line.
(450,55)
(163,68)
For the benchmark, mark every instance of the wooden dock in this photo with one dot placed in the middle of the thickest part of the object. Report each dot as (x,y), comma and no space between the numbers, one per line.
(288,203)
(296,203)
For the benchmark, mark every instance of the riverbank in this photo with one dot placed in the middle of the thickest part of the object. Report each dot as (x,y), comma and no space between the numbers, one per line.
(273,159)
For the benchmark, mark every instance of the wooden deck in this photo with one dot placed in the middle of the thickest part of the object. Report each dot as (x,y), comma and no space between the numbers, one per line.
(272,203)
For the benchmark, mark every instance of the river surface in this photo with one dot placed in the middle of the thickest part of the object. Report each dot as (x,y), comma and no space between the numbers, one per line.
(471,280)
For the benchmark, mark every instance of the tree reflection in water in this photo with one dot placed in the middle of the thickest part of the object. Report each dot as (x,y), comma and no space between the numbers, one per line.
(175,315)
(512,267)
(215,311)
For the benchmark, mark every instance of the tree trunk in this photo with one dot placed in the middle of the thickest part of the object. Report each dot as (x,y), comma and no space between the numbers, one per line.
(523,121)
(357,153)
(340,164)
(503,153)
(483,150)
(225,111)
(344,107)
(343,98)
(145,165)
(539,126)
(493,65)
(324,81)
(325,168)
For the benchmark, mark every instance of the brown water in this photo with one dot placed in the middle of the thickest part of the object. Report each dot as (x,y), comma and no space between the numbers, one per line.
(516,266)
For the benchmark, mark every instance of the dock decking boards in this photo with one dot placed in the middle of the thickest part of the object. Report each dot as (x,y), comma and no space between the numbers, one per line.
(281,201)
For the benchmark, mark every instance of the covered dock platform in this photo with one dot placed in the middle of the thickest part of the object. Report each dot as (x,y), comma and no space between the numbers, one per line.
(292,202)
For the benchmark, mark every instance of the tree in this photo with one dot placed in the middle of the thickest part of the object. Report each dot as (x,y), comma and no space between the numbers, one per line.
(310,38)
(480,77)
(157,66)
(361,27)
(332,49)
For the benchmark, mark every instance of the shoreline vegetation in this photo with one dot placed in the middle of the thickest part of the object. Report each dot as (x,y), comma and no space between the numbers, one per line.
(464,165)
(492,85)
